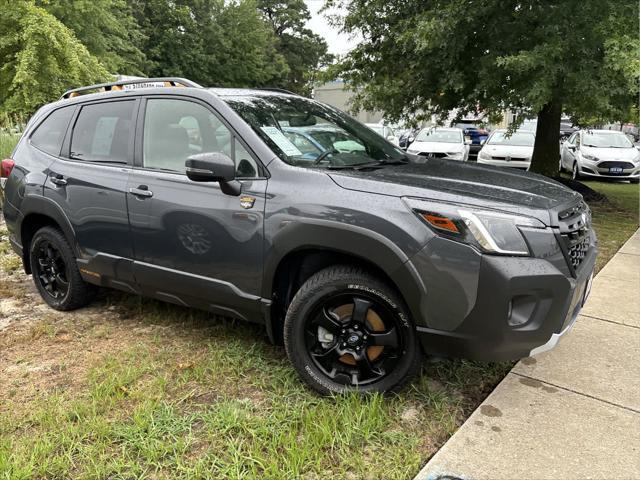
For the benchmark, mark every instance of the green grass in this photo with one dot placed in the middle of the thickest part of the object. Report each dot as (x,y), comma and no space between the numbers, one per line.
(187,396)
(7,143)
(614,221)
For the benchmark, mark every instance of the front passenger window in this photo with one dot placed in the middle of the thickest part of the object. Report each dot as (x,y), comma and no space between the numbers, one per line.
(176,129)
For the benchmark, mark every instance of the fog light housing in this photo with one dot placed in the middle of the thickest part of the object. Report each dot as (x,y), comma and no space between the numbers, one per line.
(521,310)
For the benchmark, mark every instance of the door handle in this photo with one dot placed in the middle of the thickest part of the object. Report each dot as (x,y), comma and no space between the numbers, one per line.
(142,191)
(58,179)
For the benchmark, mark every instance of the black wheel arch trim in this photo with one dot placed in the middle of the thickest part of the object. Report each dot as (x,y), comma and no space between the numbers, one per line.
(43,206)
(336,237)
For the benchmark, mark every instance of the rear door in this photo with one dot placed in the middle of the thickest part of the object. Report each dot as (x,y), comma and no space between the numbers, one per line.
(89,183)
(195,245)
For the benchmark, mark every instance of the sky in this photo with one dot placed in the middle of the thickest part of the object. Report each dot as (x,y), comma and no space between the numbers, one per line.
(338,43)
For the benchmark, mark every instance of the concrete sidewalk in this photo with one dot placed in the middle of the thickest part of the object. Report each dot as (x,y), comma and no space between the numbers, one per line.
(570,413)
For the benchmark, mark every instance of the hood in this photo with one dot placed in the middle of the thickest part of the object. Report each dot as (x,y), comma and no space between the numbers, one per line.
(435,147)
(625,154)
(463,182)
(516,151)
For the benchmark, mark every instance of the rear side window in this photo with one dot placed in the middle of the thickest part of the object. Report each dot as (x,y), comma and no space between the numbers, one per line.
(102,132)
(50,133)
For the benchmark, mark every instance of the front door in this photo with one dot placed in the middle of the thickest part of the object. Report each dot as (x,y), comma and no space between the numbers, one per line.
(193,244)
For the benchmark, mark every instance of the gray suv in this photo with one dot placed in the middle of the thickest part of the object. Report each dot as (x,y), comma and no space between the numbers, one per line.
(356,255)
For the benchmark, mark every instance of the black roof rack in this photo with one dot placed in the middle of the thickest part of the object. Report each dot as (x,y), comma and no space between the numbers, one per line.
(106,87)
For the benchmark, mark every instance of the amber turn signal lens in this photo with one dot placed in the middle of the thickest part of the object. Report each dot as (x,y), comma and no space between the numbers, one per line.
(442,223)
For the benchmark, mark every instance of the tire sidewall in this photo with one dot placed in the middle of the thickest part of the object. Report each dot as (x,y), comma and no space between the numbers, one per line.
(308,301)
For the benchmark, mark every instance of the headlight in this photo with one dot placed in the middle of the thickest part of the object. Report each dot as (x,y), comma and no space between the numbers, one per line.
(586,156)
(484,155)
(488,230)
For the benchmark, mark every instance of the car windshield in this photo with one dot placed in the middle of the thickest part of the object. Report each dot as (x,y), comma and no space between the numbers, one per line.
(439,136)
(519,139)
(606,140)
(307,133)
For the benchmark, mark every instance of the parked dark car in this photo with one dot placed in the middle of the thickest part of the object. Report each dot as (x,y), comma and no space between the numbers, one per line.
(473,130)
(358,259)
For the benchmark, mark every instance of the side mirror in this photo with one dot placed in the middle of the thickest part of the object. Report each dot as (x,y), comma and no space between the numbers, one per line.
(214,167)
(482,142)
(571,147)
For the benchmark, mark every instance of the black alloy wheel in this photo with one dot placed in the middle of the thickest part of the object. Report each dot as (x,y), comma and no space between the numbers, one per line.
(51,271)
(346,329)
(55,271)
(353,339)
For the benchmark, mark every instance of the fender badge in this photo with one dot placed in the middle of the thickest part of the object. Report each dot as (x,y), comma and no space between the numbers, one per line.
(247,201)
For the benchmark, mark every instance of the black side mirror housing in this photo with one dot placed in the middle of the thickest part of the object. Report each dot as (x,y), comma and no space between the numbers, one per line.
(214,167)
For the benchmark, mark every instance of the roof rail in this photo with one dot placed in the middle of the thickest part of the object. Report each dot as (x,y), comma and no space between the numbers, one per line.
(279,90)
(107,87)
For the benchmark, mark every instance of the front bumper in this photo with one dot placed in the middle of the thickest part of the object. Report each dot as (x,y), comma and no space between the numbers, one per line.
(518,307)
(601,169)
(503,163)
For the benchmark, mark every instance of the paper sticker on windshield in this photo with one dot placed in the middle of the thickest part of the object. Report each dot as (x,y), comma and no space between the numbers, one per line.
(281,141)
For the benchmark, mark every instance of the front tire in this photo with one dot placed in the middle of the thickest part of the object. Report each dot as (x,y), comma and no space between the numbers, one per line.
(347,330)
(55,271)
(575,172)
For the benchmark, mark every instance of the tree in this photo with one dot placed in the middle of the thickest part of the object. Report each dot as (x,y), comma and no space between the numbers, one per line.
(304,51)
(534,57)
(213,42)
(41,58)
(107,28)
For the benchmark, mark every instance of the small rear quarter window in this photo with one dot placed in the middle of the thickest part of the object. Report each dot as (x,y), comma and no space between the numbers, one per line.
(49,134)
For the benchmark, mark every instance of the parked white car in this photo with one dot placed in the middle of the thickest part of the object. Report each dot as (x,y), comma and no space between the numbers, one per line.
(384,131)
(600,154)
(504,150)
(436,142)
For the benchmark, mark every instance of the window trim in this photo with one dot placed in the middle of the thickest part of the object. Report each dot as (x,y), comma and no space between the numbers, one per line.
(39,123)
(65,154)
(139,136)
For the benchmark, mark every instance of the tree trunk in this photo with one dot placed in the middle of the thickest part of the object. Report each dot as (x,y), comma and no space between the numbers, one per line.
(546,149)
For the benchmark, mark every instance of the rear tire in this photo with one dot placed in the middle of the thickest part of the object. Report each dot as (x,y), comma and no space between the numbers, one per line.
(635,180)
(346,330)
(55,271)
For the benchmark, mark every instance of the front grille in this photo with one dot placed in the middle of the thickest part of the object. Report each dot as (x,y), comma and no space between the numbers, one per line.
(575,224)
(511,159)
(577,251)
(433,154)
(625,165)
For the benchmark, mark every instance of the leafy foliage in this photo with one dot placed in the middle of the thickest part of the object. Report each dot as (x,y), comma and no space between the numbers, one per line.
(213,42)
(41,58)
(106,27)
(536,58)
(304,51)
